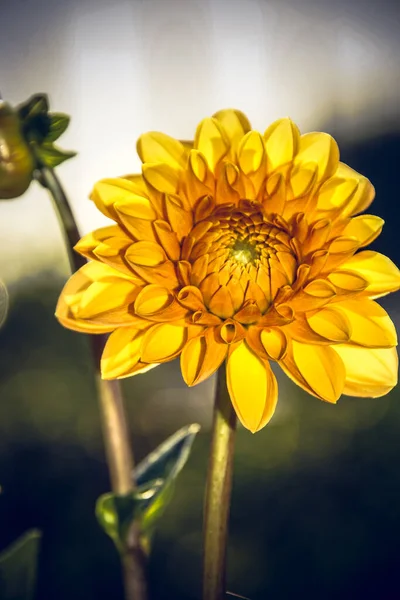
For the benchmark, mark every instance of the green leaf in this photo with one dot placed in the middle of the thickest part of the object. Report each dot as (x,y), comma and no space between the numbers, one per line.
(155,477)
(165,463)
(50,156)
(18,567)
(38,104)
(58,124)
(116,513)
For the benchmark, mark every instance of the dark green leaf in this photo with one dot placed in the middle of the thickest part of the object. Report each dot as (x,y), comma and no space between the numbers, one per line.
(116,513)
(18,567)
(58,124)
(50,156)
(164,463)
(38,104)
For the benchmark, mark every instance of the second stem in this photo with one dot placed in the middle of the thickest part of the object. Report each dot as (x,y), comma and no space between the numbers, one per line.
(218,492)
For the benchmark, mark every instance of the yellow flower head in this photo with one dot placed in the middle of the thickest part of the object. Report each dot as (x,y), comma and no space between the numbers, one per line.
(240,247)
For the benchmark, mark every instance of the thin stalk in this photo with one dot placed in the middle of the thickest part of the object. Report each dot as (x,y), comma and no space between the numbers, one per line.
(218,493)
(115,430)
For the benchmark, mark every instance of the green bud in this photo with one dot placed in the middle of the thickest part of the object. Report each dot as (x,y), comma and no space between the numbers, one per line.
(16,161)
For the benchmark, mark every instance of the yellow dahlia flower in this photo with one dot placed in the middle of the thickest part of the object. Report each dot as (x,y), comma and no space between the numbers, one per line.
(241,247)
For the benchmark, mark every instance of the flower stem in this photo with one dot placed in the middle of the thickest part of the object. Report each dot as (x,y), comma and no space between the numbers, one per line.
(218,492)
(114,425)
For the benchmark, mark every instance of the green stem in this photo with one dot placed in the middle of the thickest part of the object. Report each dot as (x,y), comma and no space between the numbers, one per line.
(115,430)
(218,493)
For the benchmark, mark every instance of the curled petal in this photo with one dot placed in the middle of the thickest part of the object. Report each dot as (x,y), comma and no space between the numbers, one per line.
(370,324)
(121,352)
(107,192)
(163,342)
(252,387)
(156,147)
(161,177)
(378,270)
(370,373)
(202,356)
(322,369)
(365,228)
(211,141)
(281,142)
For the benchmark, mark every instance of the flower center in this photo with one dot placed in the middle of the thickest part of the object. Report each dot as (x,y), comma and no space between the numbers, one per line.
(243,252)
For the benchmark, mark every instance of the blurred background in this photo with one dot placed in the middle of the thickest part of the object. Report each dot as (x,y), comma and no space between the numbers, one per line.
(316,494)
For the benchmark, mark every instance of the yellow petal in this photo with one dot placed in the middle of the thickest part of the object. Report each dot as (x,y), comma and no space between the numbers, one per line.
(365,228)
(156,147)
(336,193)
(181,220)
(147,254)
(274,342)
(252,387)
(379,271)
(201,357)
(161,176)
(321,149)
(211,141)
(221,303)
(330,324)
(347,281)
(322,369)
(168,239)
(107,192)
(88,243)
(151,299)
(370,373)
(102,296)
(281,142)
(363,195)
(234,123)
(370,324)
(121,352)
(251,152)
(163,342)
(68,320)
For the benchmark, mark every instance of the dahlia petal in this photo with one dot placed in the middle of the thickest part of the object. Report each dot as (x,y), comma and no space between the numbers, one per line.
(370,373)
(234,123)
(168,239)
(121,352)
(201,357)
(230,332)
(180,219)
(151,299)
(347,282)
(146,254)
(365,228)
(89,242)
(103,296)
(221,303)
(211,141)
(321,149)
(191,298)
(161,176)
(137,214)
(163,342)
(322,369)
(364,194)
(107,192)
(330,324)
(370,324)
(68,320)
(252,387)
(274,342)
(281,142)
(302,178)
(163,274)
(378,270)
(336,194)
(156,147)
(251,152)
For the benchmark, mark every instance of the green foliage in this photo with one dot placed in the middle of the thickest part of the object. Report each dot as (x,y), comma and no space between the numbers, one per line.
(41,128)
(18,567)
(155,477)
